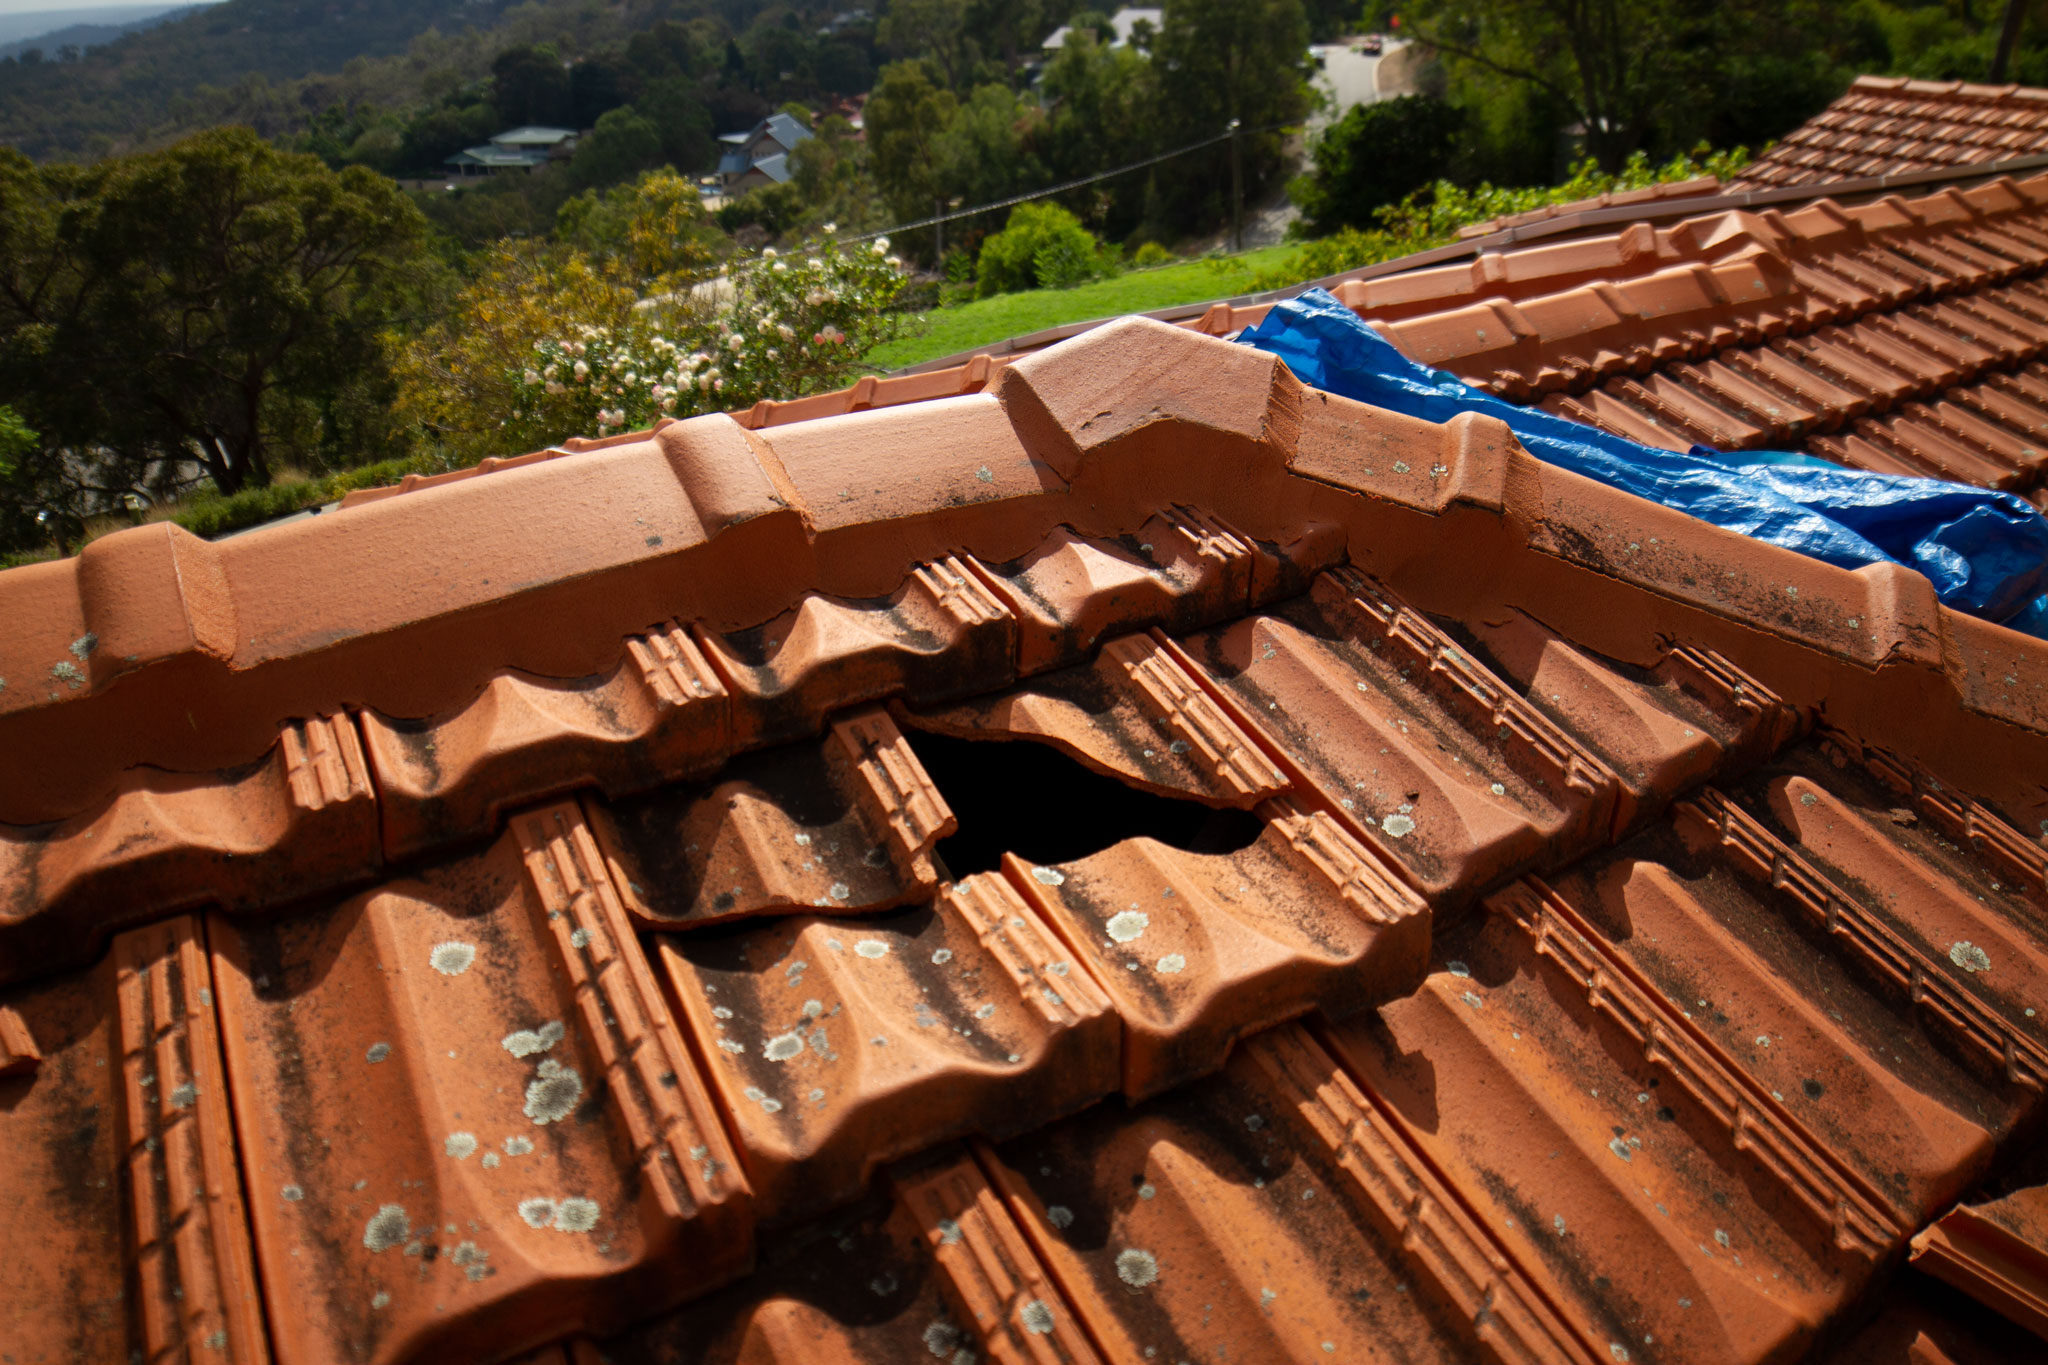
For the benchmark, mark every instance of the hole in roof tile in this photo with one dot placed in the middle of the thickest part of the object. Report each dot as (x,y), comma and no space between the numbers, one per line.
(1032,800)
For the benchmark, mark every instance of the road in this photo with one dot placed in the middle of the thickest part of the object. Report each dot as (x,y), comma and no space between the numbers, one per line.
(1349,76)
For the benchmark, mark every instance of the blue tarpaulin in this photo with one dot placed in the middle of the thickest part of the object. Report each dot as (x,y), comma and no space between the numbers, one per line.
(1986,552)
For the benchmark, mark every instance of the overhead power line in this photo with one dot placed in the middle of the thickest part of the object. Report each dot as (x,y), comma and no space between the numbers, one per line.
(1062,187)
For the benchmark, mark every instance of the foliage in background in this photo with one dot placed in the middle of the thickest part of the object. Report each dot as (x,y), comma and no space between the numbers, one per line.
(1041,247)
(629,315)
(218,306)
(1432,216)
(1376,155)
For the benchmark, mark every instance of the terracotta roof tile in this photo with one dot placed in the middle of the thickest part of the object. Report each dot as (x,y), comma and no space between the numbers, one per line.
(1251,874)
(1936,122)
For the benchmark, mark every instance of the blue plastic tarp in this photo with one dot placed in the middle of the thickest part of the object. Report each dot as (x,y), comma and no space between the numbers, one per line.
(1986,552)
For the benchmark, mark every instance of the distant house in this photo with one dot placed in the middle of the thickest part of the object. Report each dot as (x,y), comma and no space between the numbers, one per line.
(1124,22)
(759,156)
(521,149)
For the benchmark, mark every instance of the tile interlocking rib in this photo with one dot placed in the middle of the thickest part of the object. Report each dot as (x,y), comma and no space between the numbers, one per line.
(1602,969)
(1886,124)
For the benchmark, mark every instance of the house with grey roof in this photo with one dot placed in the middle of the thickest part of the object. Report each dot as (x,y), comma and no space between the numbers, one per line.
(518,149)
(760,155)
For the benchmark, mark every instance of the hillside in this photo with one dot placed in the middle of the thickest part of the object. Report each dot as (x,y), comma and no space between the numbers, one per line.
(41,28)
(118,96)
(68,38)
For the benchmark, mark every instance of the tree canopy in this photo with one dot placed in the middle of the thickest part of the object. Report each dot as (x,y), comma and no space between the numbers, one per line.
(218,304)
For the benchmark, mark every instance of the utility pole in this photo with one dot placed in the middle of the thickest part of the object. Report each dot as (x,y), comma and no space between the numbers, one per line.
(1237,190)
(2008,39)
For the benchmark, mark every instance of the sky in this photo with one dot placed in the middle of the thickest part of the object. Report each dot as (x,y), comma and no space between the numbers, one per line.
(43,6)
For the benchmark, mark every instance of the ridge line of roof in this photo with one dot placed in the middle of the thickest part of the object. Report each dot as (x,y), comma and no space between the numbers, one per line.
(1520,235)
(382,609)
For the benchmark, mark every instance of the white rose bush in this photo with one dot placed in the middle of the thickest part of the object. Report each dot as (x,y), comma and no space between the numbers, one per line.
(768,326)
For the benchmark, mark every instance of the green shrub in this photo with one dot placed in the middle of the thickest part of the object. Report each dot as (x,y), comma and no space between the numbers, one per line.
(1151,254)
(1041,247)
(1375,155)
(210,514)
(1432,215)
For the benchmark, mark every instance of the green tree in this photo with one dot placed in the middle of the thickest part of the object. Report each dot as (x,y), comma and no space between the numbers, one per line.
(623,144)
(1615,68)
(987,149)
(1219,60)
(531,87)
(1374,156)
(906,118)
(215,303)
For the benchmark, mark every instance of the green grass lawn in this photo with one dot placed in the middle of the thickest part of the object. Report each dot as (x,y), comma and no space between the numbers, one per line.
(950,330)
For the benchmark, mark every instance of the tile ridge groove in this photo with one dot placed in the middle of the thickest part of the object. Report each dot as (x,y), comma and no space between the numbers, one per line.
(1742,840)
(1965,819)
(1400,1187)
(991,1266)
(650,1076)
(1159,680)
(190,1243)
(1860,1218)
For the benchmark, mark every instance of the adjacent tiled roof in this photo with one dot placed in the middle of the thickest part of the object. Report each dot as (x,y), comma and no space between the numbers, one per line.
(1887,124)
(1902,335)
(1145,862)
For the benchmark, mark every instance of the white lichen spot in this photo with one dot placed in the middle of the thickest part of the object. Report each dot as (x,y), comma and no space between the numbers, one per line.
(1721,1236)
(575,1214)
(728,1045)
(1126,925)
(490,1161)
(1457,969)
(1170,964)
(1473,1000)
(984,1011)
(1254,1122)
(518,1146)
(1060,1216)
(537,1212)
(1558,1224)
(451,958)
(1621,1149)
(579,938)
(1498,790)
(1047,876)
(387,1227)
(1617,1350)
(871,948)
(1137,1268)
(1147,1192)
(813,1008)
(949,1231)
(1036,1317)
(783,1046)
(942,957)
(1969,957)
(940,1338)
(526,1042)
(1397,825)
(769,1104)
(292,1194)
(84,645)
(66,672)
(460,1145)
(377,1053)
(1266,1297)
(184,1096)
(380,1299)
(554,1093)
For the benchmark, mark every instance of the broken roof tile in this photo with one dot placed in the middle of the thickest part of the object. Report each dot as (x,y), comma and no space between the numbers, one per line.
(1230,969)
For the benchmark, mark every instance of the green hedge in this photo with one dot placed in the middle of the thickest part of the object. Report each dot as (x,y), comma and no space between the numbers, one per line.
(212,514)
